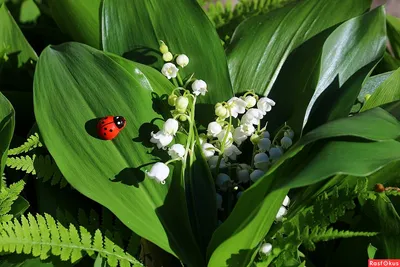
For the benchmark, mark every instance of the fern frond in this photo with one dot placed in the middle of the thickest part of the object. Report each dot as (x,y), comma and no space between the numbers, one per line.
(31,143)
(42,235)
(395,193)
(43,167)
(318,234)
(7,198)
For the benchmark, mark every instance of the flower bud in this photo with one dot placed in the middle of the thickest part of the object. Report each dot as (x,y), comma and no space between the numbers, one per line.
(167,56)
(182,60)
(286,142)
(281,213)
(251,101)
(289,133)
(181,104)
(286,201)
(183,118)
(172,99)
(256,174)
(221,111)
(266,134)
(255,138)
(222,181)
(275,153)
(264,144)
(163,48)
(266,249)
(171,126)
(243,173)
(261,161)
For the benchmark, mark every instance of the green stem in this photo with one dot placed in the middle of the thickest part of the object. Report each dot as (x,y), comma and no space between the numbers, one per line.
(175,82)
(223,143)
(180,80)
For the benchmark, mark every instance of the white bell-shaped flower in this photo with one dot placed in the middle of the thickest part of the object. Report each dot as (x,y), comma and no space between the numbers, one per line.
(218,199)
(202,138)
(289,133)
(248,129)
(286,142)
(286,201)
(213,161)
(239,136)
(214,128)
(252,116)
(275,153)
(161,139)
(265,104)
(169,70)
(231,152)
(223,180)
(256,174)
(243,173)
(167,56)
(182,60)
(261,161)
(176,151)
(199,87)
(251,101)
(171,126)
(281,213)
(264,144)
(266,249)
(208,150)
(158,172)
(181,104)
(266,134)
(221,111)
(236,106)
(228,139)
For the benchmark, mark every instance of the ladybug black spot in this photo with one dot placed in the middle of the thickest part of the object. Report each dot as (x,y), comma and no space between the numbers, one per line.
(105,129)
(110,130)
(104,133)
(102,122)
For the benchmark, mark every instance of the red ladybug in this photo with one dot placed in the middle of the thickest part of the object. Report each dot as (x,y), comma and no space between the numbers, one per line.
(109,127)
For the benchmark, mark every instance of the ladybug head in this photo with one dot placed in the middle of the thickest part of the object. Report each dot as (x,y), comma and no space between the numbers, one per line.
(119,121)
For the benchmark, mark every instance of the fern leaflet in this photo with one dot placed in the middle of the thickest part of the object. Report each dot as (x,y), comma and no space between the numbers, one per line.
(7,198)
(42,235)
(31,143)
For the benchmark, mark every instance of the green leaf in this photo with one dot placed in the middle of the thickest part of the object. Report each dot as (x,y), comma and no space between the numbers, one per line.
(256,65)
(388,91)
(12,40)
(372,83)
(74,86)
(7,124)
(134,29)
(19,207)
(29,11)
(79,19)
(393,30)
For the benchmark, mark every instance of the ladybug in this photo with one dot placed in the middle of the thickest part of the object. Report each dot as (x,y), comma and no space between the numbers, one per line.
(109,127)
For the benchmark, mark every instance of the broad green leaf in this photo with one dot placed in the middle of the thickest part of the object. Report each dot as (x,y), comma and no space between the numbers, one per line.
(236,240)
(12,40)
(79,19)
(371,83)
(7,124)
(256,64)
(134,28)
(393,29)
(19,206)
(74,86)
(388,91)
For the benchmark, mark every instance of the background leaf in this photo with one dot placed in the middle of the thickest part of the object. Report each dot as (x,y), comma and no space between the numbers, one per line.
(7,124)
(74,86)
(393,29)
(79,19)
(371,83)
(134,28)
(256,65)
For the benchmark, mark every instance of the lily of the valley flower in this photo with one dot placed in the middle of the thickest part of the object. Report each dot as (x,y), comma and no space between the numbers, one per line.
(286,201)
(239,136)
(176,151)
(208,150)
(286,142)
(221,111)
(232,152)
(266,249)
(213,161)
(182,60)
(256,174)
(161,139)
(181,104)
(266,134)
(214,128)
(275,153)
(163,48)
(265,104)
(158,172)
(236,106)
(252,116)
(264,144)
(251,101)
(289,133)
(169,70)
(222,181)
(281,213)
(228,139)
(199,87)
(243,173)
(167,56)
(171,126)
(261,161)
